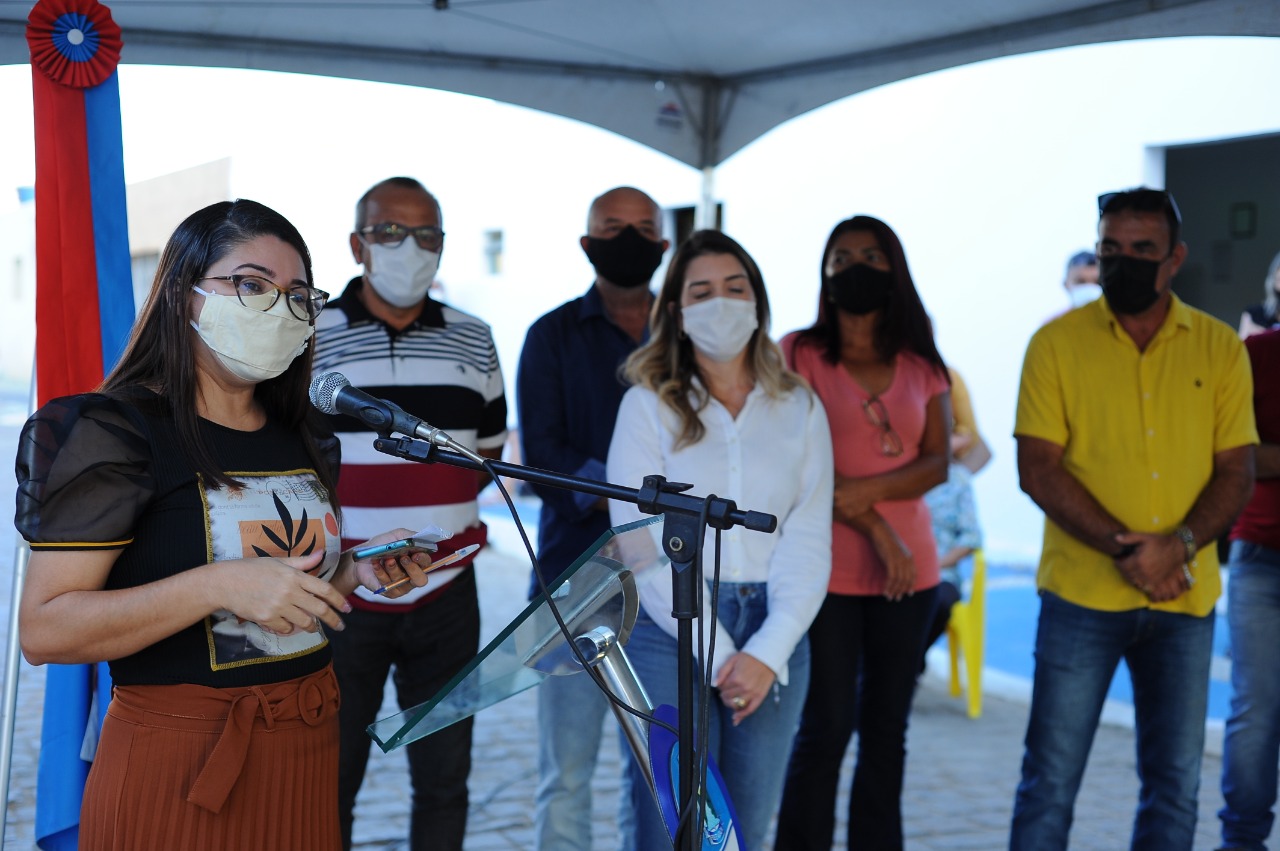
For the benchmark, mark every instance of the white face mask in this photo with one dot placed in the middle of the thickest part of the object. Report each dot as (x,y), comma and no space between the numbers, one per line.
(403,274)
(1082,294)
(720,327)
(251,344)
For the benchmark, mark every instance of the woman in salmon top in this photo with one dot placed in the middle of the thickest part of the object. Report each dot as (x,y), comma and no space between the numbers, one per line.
(871,358)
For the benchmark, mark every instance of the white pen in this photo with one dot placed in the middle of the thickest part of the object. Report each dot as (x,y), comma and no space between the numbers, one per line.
(456,555)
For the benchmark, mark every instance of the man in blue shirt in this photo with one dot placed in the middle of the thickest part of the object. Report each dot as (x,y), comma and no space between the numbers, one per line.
(568,392)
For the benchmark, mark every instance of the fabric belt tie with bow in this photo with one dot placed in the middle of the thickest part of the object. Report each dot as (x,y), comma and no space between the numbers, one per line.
(308,700)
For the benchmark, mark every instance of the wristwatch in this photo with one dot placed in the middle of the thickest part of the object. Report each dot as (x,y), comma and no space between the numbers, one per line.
(1188,541)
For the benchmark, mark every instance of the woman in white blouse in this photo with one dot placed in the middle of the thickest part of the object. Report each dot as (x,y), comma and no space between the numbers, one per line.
(714,405)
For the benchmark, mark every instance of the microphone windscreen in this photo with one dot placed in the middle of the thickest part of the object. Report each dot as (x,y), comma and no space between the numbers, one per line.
(324,391)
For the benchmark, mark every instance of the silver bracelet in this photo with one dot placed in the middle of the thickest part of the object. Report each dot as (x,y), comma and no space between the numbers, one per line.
(1186,574)
(1188,539)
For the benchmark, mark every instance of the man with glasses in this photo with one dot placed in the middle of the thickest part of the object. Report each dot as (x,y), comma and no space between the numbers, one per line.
(568,393)
(392,340)
(1135,436)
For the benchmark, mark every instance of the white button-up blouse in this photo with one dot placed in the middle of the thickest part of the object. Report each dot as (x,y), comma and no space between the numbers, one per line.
(774,457)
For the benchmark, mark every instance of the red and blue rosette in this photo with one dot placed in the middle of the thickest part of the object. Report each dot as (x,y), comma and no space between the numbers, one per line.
(84,309)
(74,44)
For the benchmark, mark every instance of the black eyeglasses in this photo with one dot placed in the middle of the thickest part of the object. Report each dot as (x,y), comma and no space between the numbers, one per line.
(878,416)
(257,293)
(1147,200)
(391,234)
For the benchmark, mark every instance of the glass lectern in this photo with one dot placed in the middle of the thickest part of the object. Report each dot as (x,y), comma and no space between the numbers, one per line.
(597,599)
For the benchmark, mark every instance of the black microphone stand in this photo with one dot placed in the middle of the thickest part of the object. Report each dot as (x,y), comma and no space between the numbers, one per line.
(681,541)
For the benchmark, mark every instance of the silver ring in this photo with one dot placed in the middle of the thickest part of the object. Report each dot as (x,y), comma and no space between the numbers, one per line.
(739,702)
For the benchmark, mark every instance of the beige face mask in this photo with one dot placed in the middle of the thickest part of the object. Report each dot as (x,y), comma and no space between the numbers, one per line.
(252,344)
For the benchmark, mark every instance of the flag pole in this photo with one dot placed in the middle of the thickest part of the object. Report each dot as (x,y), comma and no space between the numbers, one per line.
(12,657)
(8,713)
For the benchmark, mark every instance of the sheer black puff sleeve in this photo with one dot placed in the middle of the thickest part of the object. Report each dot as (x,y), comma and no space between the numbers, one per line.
(84,474)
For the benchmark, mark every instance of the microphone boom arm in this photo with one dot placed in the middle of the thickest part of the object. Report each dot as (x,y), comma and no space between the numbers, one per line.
(655,496)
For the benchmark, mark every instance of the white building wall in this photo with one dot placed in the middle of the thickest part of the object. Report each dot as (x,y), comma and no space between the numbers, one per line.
(18,294)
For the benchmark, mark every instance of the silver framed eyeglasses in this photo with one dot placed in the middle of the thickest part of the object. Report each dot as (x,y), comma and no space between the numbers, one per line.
(391,234)
(257,293)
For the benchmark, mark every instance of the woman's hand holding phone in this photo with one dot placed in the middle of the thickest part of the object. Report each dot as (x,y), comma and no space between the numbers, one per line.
(393,557)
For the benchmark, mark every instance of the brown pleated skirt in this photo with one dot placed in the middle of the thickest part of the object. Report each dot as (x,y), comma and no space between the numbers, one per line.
(189,768)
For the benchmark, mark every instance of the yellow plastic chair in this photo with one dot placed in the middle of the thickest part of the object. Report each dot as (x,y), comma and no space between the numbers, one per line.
(966,634)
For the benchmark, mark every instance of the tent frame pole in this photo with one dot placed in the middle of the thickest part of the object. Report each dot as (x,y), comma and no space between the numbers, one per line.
(706,217)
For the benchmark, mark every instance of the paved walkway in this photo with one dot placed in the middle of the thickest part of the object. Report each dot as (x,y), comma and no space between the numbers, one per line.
(960,773)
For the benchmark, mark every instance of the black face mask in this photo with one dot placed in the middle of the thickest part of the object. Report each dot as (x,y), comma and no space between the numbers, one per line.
(860,289)
(1129,283)
(628,259)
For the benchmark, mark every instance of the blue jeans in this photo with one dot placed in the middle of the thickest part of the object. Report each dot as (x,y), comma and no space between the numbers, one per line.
(866,657)
(570,715)
(751,756)
(1077,652)
(1252,740)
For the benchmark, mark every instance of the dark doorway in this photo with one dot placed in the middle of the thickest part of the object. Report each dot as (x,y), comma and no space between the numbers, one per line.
(1229,193)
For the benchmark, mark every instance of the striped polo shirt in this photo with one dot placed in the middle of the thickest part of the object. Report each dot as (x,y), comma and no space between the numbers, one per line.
(443,368)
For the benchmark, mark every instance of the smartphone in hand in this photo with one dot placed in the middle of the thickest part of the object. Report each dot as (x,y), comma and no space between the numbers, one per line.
(395,549)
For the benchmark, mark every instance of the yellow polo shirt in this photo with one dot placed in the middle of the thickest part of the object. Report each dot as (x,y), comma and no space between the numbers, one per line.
(1139,431)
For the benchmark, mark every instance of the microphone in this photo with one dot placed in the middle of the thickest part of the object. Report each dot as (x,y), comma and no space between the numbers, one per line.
(332,393)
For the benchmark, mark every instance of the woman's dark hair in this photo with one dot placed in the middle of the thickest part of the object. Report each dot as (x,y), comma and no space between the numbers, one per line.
(666,364)
(161,352)
(903,324)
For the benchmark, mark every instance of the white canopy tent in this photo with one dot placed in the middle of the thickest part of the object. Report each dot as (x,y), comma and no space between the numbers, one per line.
(695,79)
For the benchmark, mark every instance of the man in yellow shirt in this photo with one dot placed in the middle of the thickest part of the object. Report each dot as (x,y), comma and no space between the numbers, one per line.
(1135,436)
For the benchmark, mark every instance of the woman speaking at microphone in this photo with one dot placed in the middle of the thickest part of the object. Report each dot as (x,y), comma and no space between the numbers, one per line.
(183,527)
(714,405)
